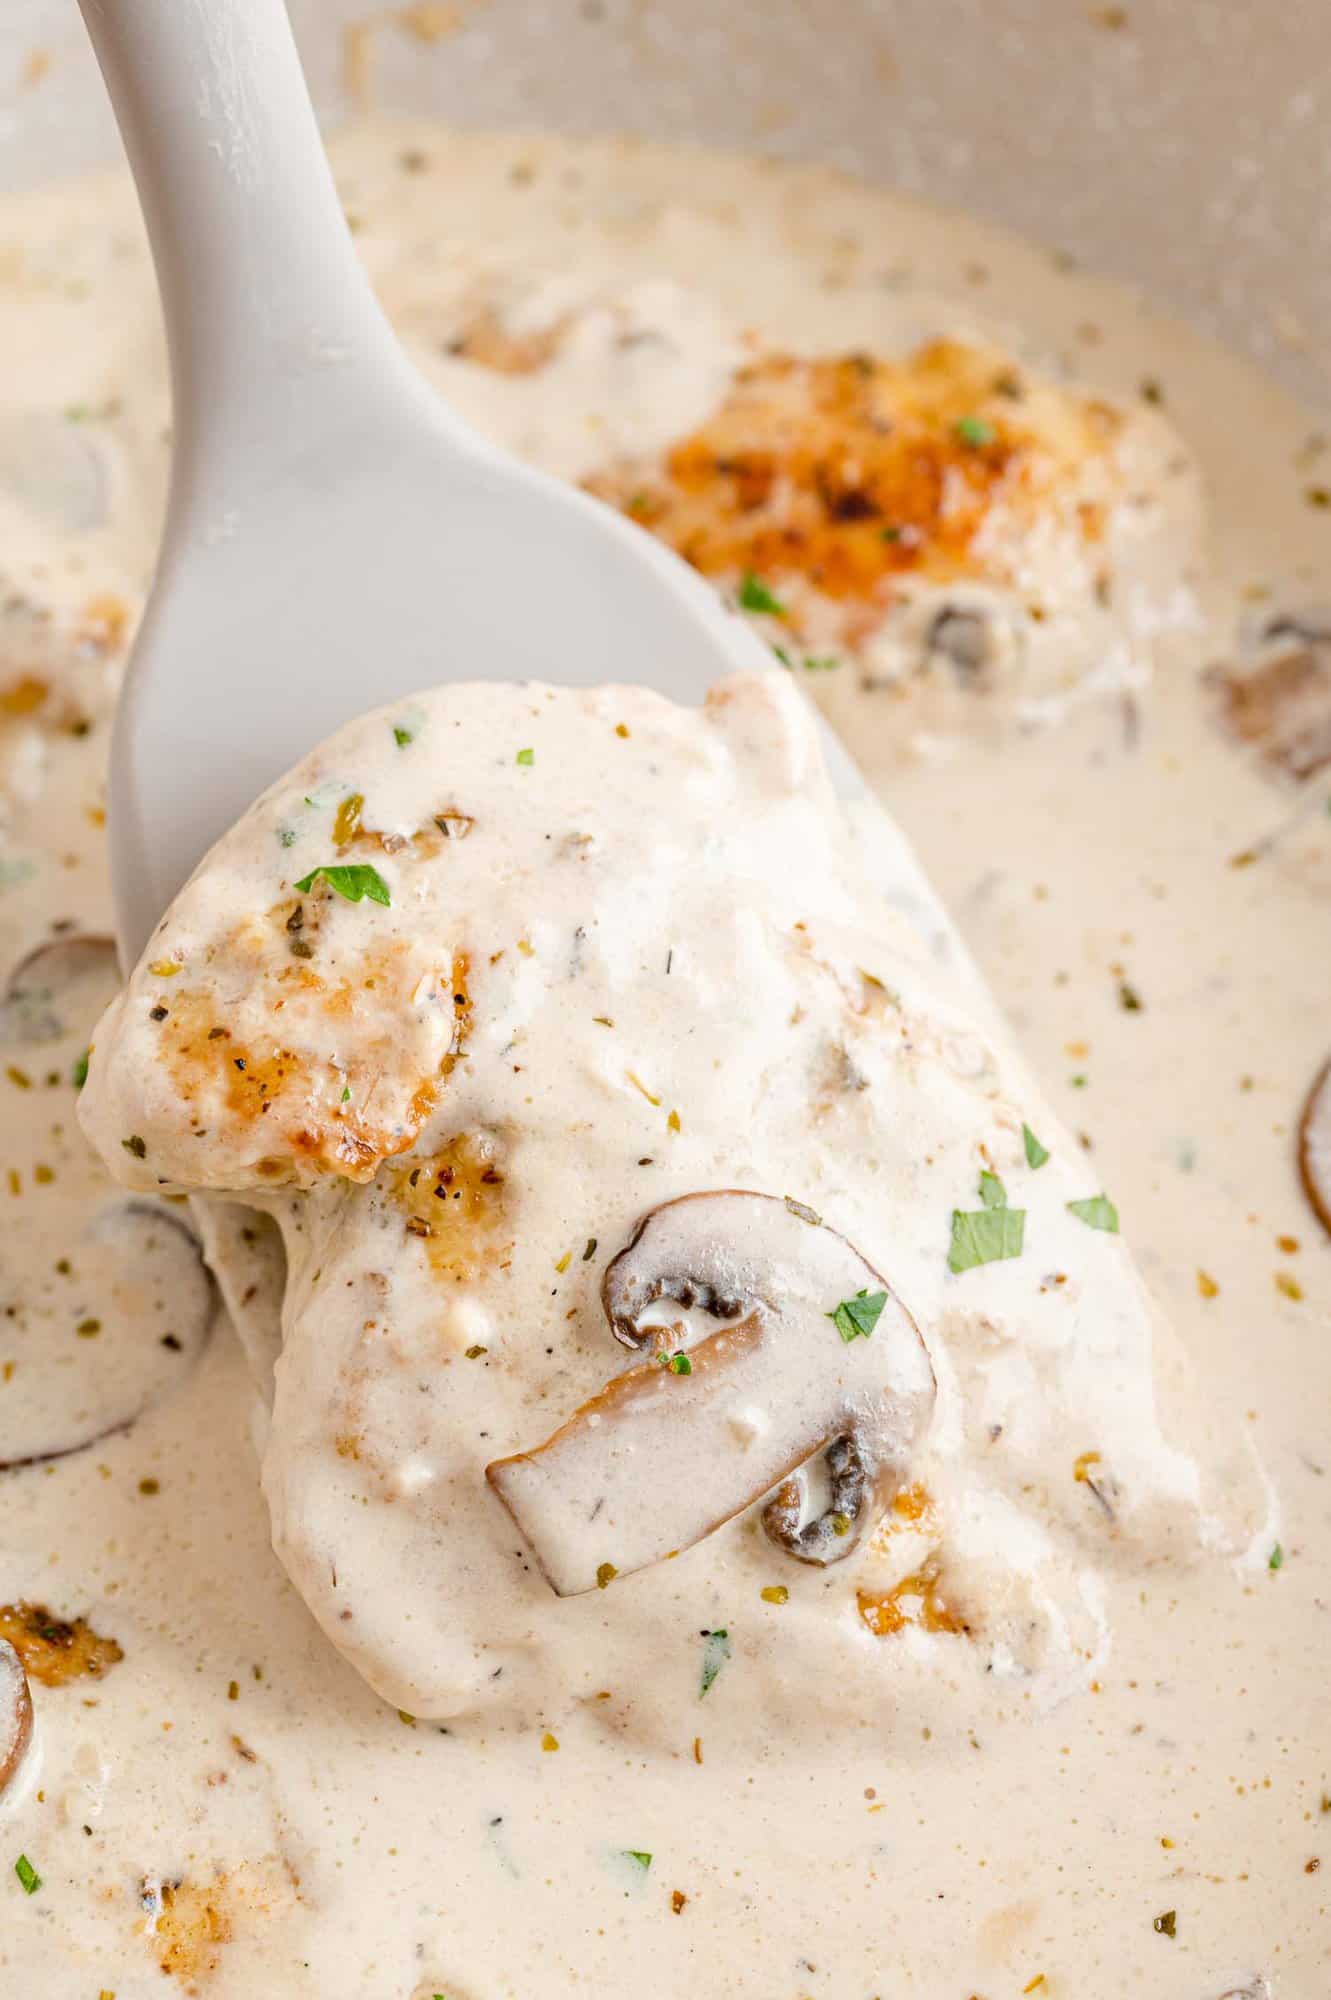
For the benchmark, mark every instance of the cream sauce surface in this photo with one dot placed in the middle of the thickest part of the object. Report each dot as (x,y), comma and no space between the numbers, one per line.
(843,1811)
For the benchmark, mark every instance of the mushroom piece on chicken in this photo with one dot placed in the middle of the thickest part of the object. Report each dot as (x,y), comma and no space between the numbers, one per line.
(15,1714)
(701,1428)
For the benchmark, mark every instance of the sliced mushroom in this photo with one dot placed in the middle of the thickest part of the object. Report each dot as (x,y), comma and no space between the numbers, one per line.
(1279,701)
(1315,1146)
(15,1714)
(97,1344)
(963,636)
(34,1004)
(662,1455)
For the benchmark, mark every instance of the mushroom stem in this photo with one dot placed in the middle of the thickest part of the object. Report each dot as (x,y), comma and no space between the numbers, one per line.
(657,1459)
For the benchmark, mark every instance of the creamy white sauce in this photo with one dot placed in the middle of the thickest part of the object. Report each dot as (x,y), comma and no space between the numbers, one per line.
(842,1813)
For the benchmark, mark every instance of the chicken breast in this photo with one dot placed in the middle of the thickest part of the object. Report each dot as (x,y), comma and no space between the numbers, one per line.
(487,982)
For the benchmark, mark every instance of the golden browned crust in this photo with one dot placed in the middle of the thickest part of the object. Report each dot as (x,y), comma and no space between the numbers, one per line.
(850,473)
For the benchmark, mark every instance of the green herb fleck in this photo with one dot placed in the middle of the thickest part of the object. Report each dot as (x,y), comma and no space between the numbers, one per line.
(679,1363)
(1129,999)
(985,1236)
(755,596)
(890,534)
(78,1075)
(286,836)
(975,431)
(786,661)
(820,663)
(1276,1559)
(1165,1923)
(346,1093)
(992,1192)
(27,1875)
(403,736)
(855,1319)
(715,1653)
(353,880)
(525,757)
(136,1146)
(639,1856)
(1080,1081)
(1036,1154)
(1097,1212)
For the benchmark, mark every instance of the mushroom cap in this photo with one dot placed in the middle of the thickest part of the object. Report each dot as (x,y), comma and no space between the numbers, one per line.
(658,1458)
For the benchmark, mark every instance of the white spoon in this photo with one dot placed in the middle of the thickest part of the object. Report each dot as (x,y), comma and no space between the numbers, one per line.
(335,537)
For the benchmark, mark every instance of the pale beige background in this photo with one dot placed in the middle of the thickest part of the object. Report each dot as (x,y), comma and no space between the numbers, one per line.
(1186,143)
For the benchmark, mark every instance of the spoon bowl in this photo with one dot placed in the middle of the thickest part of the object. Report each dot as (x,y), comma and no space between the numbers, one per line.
(335,536)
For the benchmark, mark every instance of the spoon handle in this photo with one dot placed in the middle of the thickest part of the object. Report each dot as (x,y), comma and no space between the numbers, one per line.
(266,303)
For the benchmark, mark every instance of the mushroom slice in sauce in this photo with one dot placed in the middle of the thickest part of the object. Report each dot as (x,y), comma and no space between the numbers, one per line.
(1279,701)
(108,1338)
(1315,1146)
(35,1005)
(15,1714)
(661,1456)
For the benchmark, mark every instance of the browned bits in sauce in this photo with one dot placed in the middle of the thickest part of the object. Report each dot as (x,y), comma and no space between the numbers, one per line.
(486,341)
(454,1201)
(187,1924)
(916,1600)
(56,1650)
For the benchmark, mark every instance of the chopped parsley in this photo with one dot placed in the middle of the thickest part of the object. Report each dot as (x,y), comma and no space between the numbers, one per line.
(755,596)
(992,1192)
(525,757)
(1097,1212)
(403,736)
(1276,1559)
(78,1075)
(639,1857)
(985,1236)
(679,1363)
(352,880)
(27,1875)
(286,836)
(1036,1154)
(715,1653)
(855,1319)
(346,1093)
(975,431)
(820,663)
